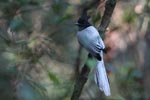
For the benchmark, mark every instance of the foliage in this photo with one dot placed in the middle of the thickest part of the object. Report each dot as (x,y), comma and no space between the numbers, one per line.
(129,16)
(96,17)
(38,50)
(23,47)
(128,81)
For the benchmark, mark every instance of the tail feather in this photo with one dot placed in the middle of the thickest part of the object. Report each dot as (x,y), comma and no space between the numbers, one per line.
(101,78)
(96,80)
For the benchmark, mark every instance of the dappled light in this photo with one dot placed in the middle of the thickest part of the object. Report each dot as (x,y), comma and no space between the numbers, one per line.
(41,59)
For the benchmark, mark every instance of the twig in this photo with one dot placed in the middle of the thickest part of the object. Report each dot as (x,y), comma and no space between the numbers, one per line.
(83,76)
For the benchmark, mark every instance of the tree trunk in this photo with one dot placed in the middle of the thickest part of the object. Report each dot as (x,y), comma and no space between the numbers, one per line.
(146,71)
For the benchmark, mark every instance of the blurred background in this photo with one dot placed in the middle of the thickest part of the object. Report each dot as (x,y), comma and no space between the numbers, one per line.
(40,57)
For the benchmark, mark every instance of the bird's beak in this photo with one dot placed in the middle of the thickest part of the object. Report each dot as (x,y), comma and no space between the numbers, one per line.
(77,23)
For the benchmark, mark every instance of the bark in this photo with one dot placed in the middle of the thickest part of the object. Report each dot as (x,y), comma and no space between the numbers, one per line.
(146,71)
(77,62)
(109,7)
(81,80)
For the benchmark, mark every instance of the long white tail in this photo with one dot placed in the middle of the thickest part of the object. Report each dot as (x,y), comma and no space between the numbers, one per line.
(101,78)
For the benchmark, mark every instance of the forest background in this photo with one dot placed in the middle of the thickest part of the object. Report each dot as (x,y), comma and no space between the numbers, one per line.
(40,58)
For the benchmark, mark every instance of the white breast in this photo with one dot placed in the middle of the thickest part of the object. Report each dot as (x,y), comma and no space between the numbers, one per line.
(90,34)
(87,34)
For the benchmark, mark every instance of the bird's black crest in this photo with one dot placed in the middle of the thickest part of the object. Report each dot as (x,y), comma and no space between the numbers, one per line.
(83,21)
(83,18)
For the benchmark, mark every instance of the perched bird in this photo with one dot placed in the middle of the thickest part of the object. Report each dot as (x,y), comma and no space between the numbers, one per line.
(89,38)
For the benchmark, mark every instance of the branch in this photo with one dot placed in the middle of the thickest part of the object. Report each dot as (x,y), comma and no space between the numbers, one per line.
(77,62)
(89,5)
(109,7)
(83,76)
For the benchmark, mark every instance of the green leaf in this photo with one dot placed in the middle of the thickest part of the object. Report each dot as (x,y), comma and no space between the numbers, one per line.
(112,68)
(136,73)
(91,63)
(23,2)
(56,7)
(65,17)
(16,23)
(96,18)
(9,55)
(59,6)
(27,92)
(53,77)
(129,16)
(12,70)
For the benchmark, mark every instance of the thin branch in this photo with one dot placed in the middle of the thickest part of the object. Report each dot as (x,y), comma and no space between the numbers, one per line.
(83,76)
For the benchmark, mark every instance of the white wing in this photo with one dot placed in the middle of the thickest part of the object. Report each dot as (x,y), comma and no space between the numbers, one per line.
(90,39)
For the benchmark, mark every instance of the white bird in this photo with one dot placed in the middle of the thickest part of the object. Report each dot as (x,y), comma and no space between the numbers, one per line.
(90,39)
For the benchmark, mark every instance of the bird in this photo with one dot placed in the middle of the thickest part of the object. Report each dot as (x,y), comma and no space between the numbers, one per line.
(89,38)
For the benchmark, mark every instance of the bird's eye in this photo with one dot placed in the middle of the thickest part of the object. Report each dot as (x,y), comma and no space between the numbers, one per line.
(81,21)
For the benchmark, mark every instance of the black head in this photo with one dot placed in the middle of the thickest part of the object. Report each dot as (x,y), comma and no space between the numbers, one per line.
(83,22)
